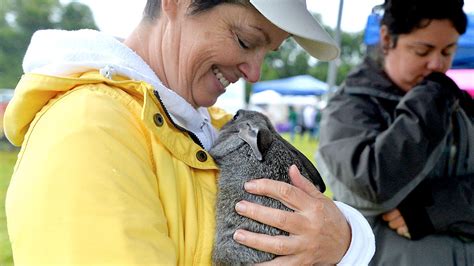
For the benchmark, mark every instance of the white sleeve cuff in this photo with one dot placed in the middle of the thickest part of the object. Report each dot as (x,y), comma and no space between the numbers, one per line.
(362,246)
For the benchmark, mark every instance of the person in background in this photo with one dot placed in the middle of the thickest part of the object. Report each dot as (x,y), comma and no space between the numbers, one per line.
(317,123)
(114,168)
(309,120)
(292,121)
(397,139)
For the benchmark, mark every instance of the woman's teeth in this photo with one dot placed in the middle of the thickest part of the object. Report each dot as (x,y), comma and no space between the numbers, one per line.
(220,77)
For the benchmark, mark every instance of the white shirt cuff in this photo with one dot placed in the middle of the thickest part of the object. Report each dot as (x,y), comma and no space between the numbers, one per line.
(362,246)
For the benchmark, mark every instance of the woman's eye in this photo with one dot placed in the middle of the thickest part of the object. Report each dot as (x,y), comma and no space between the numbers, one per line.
(242,43)
(447,53)
(421,53)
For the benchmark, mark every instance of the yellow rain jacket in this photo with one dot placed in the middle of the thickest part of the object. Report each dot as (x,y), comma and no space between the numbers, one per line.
(104,177)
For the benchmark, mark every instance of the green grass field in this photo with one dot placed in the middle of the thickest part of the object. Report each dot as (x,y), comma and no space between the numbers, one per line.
(7,161)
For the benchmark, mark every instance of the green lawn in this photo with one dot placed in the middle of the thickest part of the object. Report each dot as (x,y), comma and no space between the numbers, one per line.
(7,161)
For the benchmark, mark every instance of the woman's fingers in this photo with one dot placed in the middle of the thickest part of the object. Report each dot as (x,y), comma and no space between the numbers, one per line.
(391,215)
(278,245)
(283,220)
(291,196)
(302,182)
(283,260)
(396,223)
(403,231)
(394,218)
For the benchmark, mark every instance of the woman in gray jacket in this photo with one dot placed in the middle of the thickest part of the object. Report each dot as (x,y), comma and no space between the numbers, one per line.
(397,139)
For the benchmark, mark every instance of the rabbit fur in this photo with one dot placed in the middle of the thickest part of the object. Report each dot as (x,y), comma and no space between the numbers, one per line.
(248,147)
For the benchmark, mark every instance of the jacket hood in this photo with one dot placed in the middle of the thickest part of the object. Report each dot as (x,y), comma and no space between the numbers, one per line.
(68,54)
(62,53)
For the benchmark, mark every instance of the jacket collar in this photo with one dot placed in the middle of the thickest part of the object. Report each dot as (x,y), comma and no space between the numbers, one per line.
(370,79)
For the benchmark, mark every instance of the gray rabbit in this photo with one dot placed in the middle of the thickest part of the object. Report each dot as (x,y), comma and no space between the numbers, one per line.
(248,147)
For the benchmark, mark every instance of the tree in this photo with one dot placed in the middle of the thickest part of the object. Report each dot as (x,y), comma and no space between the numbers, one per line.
(21,18)
(291,60)
(352,52)
(76,16)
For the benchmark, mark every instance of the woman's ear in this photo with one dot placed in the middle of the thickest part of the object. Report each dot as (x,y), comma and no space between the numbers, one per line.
(384,38)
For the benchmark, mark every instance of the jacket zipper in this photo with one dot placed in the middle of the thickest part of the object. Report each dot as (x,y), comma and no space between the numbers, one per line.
(191,134)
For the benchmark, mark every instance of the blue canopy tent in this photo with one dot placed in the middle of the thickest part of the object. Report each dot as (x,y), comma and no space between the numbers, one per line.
(464,57)
(297,85)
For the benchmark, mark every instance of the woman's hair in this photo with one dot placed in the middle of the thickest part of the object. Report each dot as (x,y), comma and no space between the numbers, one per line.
(152,8)
(405,16)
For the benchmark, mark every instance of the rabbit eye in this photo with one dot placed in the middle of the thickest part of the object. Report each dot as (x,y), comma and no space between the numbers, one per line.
(236,116)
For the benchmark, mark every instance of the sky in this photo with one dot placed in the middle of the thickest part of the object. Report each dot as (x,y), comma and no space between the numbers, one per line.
(119,17)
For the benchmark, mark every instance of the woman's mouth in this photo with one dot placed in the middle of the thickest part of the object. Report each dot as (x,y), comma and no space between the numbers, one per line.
(220,77)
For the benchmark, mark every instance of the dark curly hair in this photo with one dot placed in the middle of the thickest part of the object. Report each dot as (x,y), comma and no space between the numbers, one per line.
(404,16)
(152,8)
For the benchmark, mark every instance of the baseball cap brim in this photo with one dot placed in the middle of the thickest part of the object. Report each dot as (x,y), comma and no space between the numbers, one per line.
(293,17)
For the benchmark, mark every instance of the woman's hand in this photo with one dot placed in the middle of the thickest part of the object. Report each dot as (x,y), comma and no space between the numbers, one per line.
(318,231)
(396,222)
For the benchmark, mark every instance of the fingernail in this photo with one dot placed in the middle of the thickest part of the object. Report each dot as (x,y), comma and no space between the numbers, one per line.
(295,167)
(240,207)
(403,230)
(249,186)
(239,237)
(407,235)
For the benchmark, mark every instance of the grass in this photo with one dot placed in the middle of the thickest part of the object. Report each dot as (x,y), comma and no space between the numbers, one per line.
(8,158)
(7,161)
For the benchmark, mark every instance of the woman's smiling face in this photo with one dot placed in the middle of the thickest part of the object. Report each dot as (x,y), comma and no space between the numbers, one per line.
(214,48)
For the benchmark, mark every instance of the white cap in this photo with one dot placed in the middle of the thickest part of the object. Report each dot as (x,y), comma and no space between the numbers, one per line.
(293,17)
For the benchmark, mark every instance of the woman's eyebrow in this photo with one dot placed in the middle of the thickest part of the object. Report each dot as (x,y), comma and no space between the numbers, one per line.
(267,38)
(429,45)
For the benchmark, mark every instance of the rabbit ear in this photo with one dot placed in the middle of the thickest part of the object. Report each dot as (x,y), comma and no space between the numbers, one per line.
(249,134)
(313,173)
(264,140)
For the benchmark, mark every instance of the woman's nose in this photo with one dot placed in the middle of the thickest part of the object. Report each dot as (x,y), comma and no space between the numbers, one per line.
(251,68)
(438,63)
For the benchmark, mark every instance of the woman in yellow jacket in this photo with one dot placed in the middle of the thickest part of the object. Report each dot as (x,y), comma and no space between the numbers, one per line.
(114,168)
